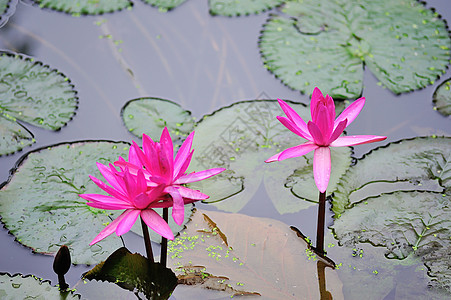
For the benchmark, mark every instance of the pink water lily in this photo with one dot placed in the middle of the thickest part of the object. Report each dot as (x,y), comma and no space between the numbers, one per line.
(322,132)
(160,168)
(130,192)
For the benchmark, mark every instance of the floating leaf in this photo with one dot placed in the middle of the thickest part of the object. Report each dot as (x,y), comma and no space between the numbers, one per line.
(33,93)
(406,224)
(14,137)
(421,163)
(43,193)
(30,287)
(264,256)
(84,7)
(240,138)
(326,43)
(442,98)
(164,5)
(7,8)
(232,8)
(134,272)
(151,115)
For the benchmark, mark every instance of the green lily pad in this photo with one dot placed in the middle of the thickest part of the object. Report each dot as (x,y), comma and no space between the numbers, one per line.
(240,138)
(151,115)
(30,287)
(33,93)
(14,137)
(244,255)
(85,7)
(326,44)
(442,98)
(406,224)
(421,163)
(7,8)
(43,193)
(232,8)
(164,5)
(134,272)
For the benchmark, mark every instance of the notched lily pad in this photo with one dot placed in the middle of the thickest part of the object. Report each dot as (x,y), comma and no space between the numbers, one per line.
(135,273)
(244,255)
(232,8)
(33,93)
(164,5)
(406,224)
(421,163)
(442,98)
(84,7)
(7,8)
(326,43)
(30,287)
(151,115)
(240,138)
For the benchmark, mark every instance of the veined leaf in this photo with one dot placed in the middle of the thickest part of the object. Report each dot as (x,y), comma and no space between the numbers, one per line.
(85,7)
(442,98)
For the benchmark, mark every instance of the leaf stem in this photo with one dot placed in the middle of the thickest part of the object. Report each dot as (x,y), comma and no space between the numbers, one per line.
(164,241)
(321,221)
(147,241)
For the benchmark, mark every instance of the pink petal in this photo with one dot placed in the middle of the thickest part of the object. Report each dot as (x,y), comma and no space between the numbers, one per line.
(111,177)
(295,118)
(133,157)
(293,128)
(141,201)
(167,153)
(317,97)
(105,202)
(324,122)
(108,189)
(338,131)
(321,168)
(191,194)
(109,229)
(127,221)
(297,151)
(197,176)
(183,154)
(178,209)
(353,140)
(316,134)
(149,155)
(330,105)
(157,223)
(184,166)
(351,112)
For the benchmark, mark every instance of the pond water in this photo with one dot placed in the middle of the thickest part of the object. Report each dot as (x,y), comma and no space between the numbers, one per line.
(199,61)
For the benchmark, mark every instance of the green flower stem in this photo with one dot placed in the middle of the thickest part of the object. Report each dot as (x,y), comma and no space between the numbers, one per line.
(147,241)
(164,241)
(320,226)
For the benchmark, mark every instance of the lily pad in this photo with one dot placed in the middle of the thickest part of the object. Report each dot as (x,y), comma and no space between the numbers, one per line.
(164,5)
(43,193)
(240,138)
(151,115)
(30,287)
(7,8)
(442,98)
(327,43)
(33,93)
(406,224)
(85,7)
(232,8)
(421,163)
(14,137)
(246,255)
(134,272)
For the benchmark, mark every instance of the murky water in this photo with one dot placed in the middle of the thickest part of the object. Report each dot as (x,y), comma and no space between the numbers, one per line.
(187,56)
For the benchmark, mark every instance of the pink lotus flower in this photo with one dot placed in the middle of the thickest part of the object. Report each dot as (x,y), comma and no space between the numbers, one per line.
(130,192)
(161,169)
(322,132)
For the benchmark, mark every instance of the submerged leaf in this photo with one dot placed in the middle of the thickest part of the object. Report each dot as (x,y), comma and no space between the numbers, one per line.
(416,224)
(43,193)
(151,115)
(85,7)
(421,163)
(442,98)
(243,7)
(325,44)
(240,138)
(134,272)
(30,287)
(264,256)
